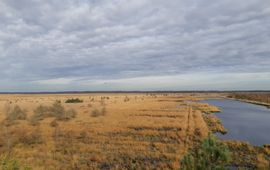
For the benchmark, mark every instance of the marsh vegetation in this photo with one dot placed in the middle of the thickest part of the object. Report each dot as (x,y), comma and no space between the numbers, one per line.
(105,131)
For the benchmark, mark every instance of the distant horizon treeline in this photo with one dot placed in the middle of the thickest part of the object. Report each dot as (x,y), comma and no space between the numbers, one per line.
(259,96)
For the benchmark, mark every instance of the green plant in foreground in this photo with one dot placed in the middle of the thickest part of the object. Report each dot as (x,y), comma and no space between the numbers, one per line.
(7,163)
(211,155)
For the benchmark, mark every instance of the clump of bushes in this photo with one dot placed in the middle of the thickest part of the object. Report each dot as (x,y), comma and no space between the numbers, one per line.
(16,113)
(96,112)
(56,110)
(211,154)
(40,113)
(76,100)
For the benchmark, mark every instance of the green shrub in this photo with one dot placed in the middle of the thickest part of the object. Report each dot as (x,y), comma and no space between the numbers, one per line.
(7,163)
(76,100)
(211,155)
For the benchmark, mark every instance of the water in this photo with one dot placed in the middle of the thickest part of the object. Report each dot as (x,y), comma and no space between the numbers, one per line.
(244,121)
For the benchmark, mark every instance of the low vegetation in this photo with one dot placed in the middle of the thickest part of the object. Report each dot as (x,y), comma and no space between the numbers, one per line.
(211,155)
(119,131)
(96,112)
(56,110)
(7,163)
(76,100)
(16,113)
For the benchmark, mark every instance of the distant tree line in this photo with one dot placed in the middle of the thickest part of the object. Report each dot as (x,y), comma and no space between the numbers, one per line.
(255,96)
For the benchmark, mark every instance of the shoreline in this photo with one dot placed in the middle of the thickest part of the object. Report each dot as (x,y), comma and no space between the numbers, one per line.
(240,150)
(267,105)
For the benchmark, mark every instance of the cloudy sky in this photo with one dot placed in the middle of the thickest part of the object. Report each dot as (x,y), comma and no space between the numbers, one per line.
(55,45)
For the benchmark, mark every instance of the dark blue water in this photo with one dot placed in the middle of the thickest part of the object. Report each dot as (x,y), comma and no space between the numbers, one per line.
(244,121)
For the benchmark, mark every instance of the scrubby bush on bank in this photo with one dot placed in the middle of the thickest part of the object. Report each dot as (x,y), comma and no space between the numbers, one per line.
(211,154)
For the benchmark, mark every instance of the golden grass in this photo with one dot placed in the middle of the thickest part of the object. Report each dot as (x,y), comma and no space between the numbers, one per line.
(138,131)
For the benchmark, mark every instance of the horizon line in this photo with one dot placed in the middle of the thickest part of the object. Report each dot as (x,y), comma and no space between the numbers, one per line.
(133,91)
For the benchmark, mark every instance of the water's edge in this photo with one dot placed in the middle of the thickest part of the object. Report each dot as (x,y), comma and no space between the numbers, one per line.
(249,124)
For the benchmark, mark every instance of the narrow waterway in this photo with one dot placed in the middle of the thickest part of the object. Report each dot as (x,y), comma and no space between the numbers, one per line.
(244,121)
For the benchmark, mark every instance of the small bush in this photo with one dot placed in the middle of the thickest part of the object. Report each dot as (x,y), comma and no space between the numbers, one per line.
(96,112)
(7,163)
(57,110)
(40,113)
(69,114)
(16,114)
(211,155)
(76,100)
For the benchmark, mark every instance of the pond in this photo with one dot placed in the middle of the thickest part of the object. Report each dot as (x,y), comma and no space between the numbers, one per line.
(244,121)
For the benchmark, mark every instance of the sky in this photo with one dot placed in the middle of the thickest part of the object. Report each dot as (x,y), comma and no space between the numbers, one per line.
(74,45)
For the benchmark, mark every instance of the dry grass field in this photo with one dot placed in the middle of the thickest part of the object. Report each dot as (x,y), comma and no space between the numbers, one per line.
(105,131)
(134,131)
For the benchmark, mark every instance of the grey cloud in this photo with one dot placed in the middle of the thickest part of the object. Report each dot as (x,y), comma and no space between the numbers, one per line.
(122,39)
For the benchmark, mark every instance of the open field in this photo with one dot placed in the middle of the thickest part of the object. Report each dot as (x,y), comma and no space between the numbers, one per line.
(106,131)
